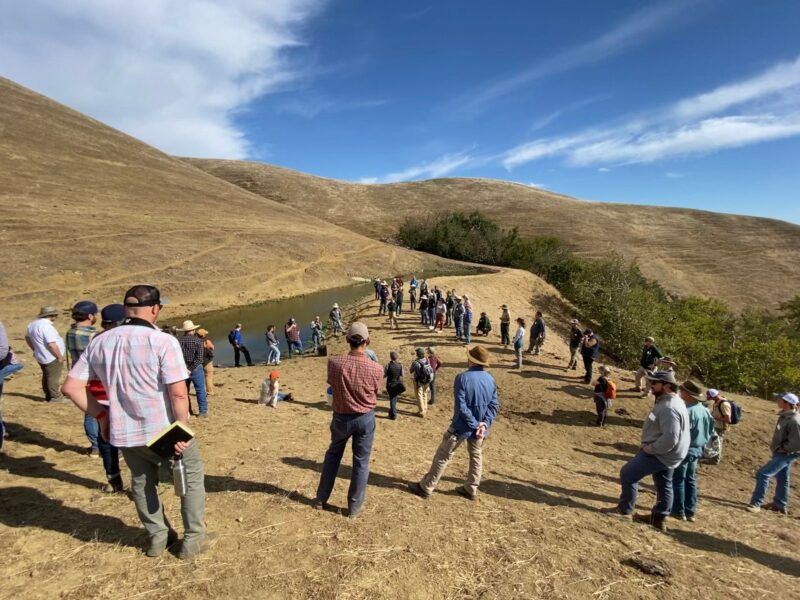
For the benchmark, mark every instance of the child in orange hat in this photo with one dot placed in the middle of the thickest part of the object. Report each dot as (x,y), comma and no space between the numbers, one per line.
(270,390)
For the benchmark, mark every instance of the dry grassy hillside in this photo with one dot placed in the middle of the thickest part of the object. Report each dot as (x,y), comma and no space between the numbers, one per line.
(86,210)
(745,261)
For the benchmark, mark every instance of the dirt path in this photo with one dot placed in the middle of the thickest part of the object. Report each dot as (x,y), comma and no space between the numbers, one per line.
(534,532)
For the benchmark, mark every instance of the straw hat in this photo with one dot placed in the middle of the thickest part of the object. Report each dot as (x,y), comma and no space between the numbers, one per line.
(202,332)
(47,311)
(189,326)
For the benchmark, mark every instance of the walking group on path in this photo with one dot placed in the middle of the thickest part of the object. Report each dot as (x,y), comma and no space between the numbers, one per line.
(132,381)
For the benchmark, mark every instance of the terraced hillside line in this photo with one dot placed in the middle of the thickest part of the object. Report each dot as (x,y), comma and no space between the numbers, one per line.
(745,261)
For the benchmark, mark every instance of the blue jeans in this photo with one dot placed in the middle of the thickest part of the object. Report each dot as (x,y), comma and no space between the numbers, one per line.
(6,372)
(637,468)
(361,427)
(684,484)
(274,354)
(198,378)
(92,429)
(459,322)
(316,339)
(467,331)
(779,467)
(432,315)
(423,313)
(110,455)
(393,407)
(298,346)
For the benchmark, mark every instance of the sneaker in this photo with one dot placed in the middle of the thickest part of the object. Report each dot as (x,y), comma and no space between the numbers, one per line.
(203,415)
(778,509)
(678,517)
(753,508)
(462,491)
(196,548)
(353,512)
(156,549)
(615,512)
(114,486)
(690,518)
(416,488)
(93,452)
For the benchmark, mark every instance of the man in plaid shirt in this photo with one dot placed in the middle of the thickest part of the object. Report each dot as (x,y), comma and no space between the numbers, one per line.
(193,353)
(144,375)
(355,380)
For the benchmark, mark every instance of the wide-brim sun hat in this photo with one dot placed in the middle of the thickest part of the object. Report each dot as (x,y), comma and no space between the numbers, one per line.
(692,388)
(335,305)
(663,377)
(478,355)
(47,311)
(189,326)
(202,332)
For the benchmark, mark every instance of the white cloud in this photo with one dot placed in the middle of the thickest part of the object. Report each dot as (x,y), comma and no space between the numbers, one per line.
(631,31)
(444,165)
(539,186)
(674,175)
(368,180)
(170,72)
(769,109)
(603,170)
(311,106)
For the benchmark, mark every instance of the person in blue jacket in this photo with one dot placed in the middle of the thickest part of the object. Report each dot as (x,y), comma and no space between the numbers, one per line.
(475,409)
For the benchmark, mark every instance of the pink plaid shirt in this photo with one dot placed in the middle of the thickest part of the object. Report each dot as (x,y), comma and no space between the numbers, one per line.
(135,364)
(355,380)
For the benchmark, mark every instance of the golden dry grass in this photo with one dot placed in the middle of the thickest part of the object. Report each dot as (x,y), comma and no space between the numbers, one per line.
(745,261)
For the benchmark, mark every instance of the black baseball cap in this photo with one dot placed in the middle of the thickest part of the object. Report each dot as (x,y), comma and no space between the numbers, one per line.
(144,295)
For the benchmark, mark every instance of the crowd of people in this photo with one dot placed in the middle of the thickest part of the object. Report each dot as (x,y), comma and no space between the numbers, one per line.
(132,380)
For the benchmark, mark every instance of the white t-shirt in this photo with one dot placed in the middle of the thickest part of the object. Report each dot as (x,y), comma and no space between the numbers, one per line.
(42,332)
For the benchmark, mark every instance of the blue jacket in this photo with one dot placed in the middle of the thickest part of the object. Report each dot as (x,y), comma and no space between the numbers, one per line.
(237,337)
(475,395)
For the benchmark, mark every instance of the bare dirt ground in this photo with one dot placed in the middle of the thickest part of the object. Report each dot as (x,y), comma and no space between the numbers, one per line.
(691,252)
(535,531)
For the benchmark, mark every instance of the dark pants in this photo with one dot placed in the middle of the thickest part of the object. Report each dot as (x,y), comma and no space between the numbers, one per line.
(684,486)
(241,348)
(504,337)
(110,455)
(601,407)
(51,380)
(588,361)
(413,300)
(432,397)
(361,427)
(637,468)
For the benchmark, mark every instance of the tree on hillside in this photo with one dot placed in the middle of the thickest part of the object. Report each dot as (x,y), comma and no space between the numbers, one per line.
(791,311)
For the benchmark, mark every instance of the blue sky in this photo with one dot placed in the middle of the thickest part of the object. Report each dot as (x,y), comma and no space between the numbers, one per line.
(690,103)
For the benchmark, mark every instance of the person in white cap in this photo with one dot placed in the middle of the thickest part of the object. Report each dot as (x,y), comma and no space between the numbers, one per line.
(336,319)
(785,447)
(721,411)
(49,351)
(193,353)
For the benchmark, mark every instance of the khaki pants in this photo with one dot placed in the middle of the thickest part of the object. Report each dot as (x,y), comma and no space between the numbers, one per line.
(641,380)
(209,372)
(51,380)
(144,465)
(450,443)
(393,321)
(421,392)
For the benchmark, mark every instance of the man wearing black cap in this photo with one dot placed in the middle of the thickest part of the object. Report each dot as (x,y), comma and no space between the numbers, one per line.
(84,315)
(355,380)
(144,375)
(665,443)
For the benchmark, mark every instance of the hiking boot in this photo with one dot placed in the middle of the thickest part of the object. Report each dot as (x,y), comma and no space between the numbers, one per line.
(614,511)
(353,512)
(156,549)
(320,505)
(416,488)
(778,509)
(462,491)
(193,549)
(753,508)
(656,522)
(114,486)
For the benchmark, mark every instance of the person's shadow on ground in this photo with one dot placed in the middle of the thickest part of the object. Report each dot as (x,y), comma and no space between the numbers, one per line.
(21,434)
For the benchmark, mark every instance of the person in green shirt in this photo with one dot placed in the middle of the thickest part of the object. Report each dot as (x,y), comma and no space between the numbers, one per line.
(647,364)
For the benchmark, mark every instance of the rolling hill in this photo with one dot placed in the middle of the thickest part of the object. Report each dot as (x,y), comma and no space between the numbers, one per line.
(88,210)
(745,261)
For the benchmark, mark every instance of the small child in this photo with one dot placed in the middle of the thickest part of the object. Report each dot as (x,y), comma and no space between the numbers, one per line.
(270,395)
(605,391)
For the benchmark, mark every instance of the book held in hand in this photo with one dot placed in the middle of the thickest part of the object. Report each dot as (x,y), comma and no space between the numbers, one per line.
(164,443)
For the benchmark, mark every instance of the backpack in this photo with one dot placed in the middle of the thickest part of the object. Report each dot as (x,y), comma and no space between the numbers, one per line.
(425,374)
(611,390)
(232,336)
(736,413)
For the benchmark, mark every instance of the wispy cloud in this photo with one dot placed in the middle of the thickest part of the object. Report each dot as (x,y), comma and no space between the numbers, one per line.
(312,106)
(603,170)
(674,175)
(633,30)
(440,167)
(550,118)
(768,108)
(170,72)
(539,186)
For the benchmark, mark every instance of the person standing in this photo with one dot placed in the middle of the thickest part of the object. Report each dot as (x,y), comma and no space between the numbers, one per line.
(505,325)
(467,321)
(590,352)
(237,341)
(144,374)
(384,298)
(392,308)
(458,318)
(393,372)
(575,339)
(721,411)
(647,364)
(8,366)
(423,309)
(519,341)
(422,374)
(684,478)
(433,302)
(441,310)
(48,350)
(412,293)
(273,348)
(355,380)
(208,360)
(435,364)
(538,334)
(475,408)
(602,397)
(398,300)
(317,337)
(335,316)
(785,448)
(449,303)
(84,315)
(292,332)
(193,354)
(664,445)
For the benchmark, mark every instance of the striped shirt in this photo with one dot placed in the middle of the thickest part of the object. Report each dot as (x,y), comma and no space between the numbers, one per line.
(78,338)
(135,363)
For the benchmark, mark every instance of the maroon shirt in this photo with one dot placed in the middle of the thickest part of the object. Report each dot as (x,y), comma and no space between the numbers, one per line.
(355,380)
